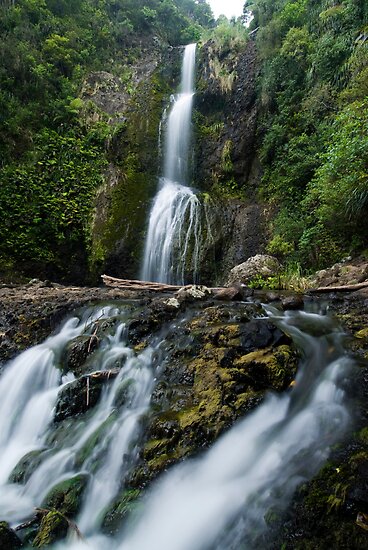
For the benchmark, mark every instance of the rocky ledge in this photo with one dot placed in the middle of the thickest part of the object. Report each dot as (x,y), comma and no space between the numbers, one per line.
(223,357)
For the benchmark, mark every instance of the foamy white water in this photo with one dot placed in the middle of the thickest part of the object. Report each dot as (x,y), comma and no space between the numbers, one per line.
(173,233)
(28,393)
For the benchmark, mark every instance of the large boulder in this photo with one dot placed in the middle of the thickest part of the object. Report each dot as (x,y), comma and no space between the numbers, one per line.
(259,265)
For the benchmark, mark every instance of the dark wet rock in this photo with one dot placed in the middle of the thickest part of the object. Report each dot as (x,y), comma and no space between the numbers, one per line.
(261,333)
(292,302)
(158,312)
(8,537)
(25,467)
(78,351)
(79,396)
(235,292)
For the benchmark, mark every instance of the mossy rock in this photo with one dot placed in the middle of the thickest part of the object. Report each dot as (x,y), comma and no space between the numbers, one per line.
(222,372)
(118,513)
(269,368)
(8,537)
(66,496)
(54,527)
(25,467)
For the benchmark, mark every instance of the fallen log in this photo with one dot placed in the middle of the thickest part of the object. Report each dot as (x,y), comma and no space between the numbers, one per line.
(342,288)
(133,284)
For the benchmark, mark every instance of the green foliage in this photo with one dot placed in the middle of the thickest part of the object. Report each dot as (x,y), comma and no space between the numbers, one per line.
(52,153)
(290,278)
(314,150)
(45,205)
(227,35)
(265,283)
(337,197)
(279,247)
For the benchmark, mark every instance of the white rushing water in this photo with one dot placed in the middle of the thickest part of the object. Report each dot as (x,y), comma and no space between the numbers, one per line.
(220,500)
(29,389)
(173,234)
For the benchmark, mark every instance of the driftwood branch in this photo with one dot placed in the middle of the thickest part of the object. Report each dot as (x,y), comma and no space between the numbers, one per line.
(342,288)
(133,284)
(26,524)
(104,374)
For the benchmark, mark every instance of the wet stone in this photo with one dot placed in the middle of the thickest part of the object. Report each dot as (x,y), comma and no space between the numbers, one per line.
(78,351)
(77,397)
(292,302)
(8,537)
(260,333)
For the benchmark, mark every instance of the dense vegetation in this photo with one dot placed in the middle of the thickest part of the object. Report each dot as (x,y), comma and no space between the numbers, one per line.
(313,119)
(313,95)
(51,155)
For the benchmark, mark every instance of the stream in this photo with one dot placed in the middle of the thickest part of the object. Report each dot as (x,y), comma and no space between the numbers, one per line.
(219,500)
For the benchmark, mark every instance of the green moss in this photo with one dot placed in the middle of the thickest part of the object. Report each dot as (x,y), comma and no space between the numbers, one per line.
(268,367)
(363,435)
(53,527)
(246,400)
(66,496)
(363,333)
(126,504)
(155,446)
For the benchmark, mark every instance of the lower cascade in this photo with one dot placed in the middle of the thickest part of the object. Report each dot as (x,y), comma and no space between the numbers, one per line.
(59,428)
(173,232)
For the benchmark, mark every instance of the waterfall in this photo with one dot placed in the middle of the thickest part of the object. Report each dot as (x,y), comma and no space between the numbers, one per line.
(173,236)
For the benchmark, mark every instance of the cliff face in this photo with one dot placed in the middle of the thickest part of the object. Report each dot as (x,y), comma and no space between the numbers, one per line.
(227,167)
(227,117)
(134,107)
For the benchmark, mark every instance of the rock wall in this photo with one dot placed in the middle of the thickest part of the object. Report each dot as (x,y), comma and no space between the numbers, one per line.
(227,168)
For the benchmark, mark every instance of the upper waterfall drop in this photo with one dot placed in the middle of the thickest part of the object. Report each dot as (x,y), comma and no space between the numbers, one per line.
(173,235)
(177,141)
